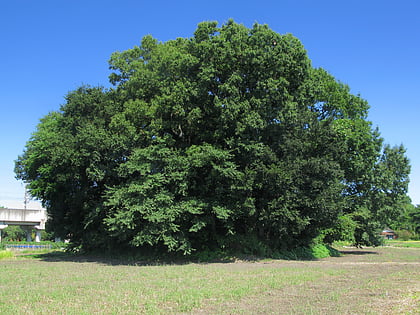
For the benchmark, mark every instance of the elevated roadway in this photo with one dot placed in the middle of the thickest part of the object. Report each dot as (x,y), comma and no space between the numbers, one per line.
(27,218)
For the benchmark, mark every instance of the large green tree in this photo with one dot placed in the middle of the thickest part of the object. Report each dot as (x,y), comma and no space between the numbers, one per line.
(225,140)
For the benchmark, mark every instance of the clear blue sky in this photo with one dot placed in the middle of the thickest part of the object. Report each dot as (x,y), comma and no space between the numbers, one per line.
(51,47)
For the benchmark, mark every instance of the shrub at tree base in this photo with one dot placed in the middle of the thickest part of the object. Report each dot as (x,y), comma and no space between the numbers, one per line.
(5,254)
(229,140)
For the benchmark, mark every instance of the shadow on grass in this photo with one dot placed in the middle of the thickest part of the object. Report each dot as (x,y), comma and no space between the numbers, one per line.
(140,261)
(146,258)
(126,259)
(358,252)
(134,260)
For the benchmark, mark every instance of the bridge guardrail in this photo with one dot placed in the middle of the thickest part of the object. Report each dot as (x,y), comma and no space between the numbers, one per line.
(27,246)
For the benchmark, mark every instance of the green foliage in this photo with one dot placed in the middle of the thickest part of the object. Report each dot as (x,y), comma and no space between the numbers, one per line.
(317,251)
(414,217)
(343,230)
(408,220)
(18,233)
(226,141)
(5,254)
(377,198)
(404,235)
(211,255)
(13,233)
(323,251)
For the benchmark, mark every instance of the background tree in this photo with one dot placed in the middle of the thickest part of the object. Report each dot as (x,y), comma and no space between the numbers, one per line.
(408,222)
(13,233)
(415,219)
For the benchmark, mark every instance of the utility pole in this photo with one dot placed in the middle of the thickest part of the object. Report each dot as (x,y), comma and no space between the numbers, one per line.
(26,198)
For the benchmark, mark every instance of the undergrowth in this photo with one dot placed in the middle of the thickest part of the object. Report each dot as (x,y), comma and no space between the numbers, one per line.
(307,253)
(150,256)
(5,254)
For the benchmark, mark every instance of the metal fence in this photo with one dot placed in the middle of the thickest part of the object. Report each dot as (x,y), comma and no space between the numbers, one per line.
(27,246)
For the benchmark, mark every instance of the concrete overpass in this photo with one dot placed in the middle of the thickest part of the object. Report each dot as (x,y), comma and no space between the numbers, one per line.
(27,218)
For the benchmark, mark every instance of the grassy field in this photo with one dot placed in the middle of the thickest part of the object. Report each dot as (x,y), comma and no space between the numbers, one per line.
(382,280)
(397,243)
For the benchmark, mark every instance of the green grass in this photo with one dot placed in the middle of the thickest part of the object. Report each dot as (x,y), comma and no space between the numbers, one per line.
(5,254)
(359,283)
(397,243)
(93,288)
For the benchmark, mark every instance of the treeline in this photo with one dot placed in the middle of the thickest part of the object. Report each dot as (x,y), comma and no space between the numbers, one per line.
(407,225)
(228,140)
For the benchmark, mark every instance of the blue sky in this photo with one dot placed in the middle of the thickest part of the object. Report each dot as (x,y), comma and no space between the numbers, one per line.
(49,48)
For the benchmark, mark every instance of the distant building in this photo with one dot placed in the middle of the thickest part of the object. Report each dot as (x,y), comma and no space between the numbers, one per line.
(389,234)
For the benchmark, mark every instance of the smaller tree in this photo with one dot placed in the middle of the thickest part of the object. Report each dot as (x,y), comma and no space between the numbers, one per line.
(408,223)
(14,233)
(415,219)
(387,199)
(404,220)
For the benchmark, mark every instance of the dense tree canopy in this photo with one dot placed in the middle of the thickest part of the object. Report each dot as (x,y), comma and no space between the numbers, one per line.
(226,140)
